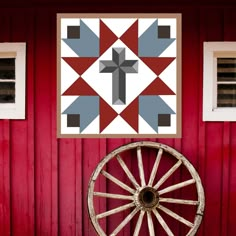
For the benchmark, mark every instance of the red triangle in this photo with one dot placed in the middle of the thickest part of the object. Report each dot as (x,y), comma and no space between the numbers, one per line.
(130,37)
(79,64)
(157,87)
(79,87)
(107,37)
(157,64)
(107,114)
(130,114)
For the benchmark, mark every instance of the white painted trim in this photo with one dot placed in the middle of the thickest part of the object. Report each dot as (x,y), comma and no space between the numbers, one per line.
(16,110)
(210,110)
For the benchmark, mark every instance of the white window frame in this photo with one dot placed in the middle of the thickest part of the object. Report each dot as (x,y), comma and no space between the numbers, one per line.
(212,50)
(15,110)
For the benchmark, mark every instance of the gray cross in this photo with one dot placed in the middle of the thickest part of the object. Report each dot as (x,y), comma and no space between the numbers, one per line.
(118,66)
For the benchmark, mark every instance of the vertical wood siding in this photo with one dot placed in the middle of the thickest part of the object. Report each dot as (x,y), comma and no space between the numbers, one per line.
(44,180)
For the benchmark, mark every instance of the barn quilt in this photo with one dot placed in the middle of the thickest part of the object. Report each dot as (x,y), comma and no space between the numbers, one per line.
(119,75)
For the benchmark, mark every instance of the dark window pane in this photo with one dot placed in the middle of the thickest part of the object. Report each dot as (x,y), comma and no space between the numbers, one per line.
(226,95)
(7,68)
(226,69)
(7,92)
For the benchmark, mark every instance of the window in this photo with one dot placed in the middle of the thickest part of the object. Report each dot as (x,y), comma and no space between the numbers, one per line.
(219,81)
(12,80)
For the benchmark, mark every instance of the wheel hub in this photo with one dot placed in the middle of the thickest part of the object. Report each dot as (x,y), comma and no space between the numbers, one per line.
(147,198)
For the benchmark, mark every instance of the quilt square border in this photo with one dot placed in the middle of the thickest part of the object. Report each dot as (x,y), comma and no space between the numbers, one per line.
(61,120)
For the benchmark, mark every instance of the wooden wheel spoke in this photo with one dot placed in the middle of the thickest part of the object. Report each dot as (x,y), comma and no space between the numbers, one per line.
(150,224)
(179,201)
(115,210)
(176,186)
(118,182)
(168,174)
(139,223)
(155,167)
(124,222)
(127,171)
(162,223)
(140,166)
(112,195)
(176,216)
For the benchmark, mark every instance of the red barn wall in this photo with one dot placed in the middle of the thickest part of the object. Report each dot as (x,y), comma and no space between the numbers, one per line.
(43,180)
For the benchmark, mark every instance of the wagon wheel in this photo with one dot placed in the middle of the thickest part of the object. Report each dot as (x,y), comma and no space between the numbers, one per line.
(147,198)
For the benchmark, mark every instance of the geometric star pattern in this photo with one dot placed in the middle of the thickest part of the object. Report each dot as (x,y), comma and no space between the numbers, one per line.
(118,76)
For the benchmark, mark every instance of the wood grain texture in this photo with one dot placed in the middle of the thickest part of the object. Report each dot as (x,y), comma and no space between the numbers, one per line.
(5,162)
(44,180)
(5,194)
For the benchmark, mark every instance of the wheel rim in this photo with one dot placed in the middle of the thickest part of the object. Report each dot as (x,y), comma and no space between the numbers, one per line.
(146,198)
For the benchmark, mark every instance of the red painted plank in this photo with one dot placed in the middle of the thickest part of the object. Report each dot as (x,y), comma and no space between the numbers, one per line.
(201,125)
(5,216)
(213,24)
(54,143)
(227,191)
(79,188)
(22,149)
(67,186)
(70,187)
(225,179)
(93,152)
(30,121)
(190,86)
(45,151)
(5,191)
(213,178)
(190,98)
(232,183)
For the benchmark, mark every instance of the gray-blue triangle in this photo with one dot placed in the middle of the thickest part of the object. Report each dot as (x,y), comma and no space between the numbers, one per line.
(87,107)
(88,43)
(149,45)
(150,107)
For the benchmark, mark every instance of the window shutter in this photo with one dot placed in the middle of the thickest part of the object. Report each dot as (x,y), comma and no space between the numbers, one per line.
(226,82)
